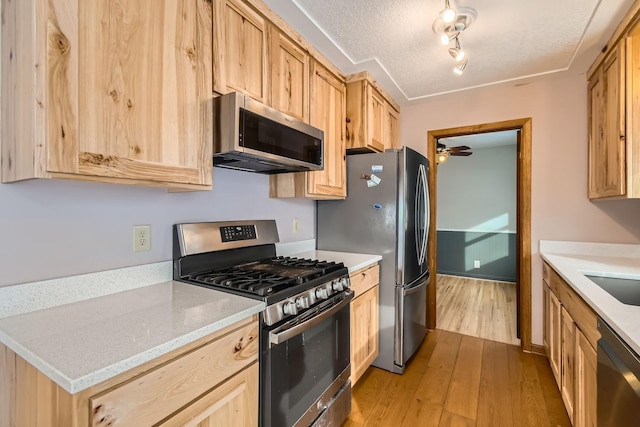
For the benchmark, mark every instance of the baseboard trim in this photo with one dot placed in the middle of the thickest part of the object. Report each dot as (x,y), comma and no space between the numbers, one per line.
(538,349)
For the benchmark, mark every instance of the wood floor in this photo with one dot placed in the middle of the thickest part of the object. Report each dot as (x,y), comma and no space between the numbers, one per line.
(480,308)
(458,380)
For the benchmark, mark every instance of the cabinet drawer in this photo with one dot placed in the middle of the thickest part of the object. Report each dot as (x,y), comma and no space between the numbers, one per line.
(364,279)
(154,395)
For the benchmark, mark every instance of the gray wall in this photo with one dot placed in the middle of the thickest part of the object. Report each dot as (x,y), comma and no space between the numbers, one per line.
(476,215)
(54,228)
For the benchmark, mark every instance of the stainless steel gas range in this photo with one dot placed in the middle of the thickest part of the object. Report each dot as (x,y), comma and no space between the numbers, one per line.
(305,329)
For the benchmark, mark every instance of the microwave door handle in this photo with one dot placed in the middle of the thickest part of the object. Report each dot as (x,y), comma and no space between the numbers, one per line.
(280,337)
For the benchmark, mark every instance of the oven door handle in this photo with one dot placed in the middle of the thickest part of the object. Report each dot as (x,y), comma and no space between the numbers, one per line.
(280,337)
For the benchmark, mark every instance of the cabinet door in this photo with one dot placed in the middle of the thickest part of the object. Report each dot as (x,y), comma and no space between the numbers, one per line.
(233,404)
(376,118)
(364,332)
(289,76)
(393,128)
(554,335)
(129,90)
(586,363)
(546,291)
(567,367)
(607,145)
(240,40)
(327,112)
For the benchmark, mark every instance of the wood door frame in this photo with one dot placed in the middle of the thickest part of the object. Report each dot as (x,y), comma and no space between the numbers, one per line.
(523,221)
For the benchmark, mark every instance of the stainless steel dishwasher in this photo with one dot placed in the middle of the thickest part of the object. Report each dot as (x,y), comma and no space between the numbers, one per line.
(618,381)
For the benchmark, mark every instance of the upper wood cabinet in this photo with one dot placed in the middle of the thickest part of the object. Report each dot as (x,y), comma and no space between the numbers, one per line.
(607,127)
(289,84)
(614,115)
(393,127)
(372,122)
(240,49)
(116,94)
(326,112)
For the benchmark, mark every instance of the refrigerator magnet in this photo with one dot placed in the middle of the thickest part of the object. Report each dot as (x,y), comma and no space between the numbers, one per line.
(376,168)
(373,181)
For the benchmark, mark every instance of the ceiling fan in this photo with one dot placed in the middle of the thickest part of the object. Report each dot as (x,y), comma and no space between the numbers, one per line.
(443,152)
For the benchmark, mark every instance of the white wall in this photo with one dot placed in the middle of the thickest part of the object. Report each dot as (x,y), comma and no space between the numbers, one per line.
(52,228)
(478,192)
(560,208)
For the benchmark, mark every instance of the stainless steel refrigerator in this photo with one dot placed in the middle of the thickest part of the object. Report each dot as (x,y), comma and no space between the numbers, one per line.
(386,212)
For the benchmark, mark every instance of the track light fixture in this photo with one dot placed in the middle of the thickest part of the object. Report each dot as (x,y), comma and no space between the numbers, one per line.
(459,69)
(456,52)
(449,25)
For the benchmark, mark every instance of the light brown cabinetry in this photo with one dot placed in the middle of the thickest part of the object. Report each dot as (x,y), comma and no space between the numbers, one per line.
(586,363)
(570,338)
(552,331)
(607,140)
(240,49)
(614,108)
(326,112)
(289,84)
(364,320)
(372,122)
(214,379)
(116,94)
(567,353)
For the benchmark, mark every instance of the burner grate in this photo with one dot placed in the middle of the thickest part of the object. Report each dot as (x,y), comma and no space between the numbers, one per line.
(266,277)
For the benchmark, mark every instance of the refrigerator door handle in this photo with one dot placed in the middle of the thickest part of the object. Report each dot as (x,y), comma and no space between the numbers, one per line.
(421,214)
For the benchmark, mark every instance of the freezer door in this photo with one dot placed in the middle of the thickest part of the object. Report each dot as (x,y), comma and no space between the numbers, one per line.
(411,320)
(413,217)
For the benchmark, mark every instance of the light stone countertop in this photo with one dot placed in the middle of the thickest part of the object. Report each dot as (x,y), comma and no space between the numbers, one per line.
(352,261)
(574,259)
(83,343)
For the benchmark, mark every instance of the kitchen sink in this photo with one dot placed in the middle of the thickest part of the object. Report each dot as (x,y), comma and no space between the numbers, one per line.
(627,291)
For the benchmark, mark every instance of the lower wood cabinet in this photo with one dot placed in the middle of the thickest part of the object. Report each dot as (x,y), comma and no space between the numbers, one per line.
(213,381)
(570,340)
(364,320)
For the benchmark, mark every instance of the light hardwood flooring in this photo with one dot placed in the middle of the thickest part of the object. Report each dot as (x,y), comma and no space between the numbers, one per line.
(480,308)
(459,380)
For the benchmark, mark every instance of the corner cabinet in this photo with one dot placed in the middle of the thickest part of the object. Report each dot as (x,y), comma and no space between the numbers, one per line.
(364,320)
(570,337)
(614,117)
(372,122)
(326,112)
(213,381)
(113,94)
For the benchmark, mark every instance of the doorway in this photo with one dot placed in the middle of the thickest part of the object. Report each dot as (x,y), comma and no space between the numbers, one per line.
(523,216)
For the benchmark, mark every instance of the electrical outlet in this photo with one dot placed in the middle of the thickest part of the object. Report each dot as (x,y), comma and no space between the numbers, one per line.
(296,225)
(141,238)
(476,263)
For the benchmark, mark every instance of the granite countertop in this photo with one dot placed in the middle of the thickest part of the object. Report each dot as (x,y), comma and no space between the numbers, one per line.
(83,343)
(574,259)
(352,261)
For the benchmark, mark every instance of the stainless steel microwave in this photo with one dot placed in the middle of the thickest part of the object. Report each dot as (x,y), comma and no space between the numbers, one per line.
(251,136)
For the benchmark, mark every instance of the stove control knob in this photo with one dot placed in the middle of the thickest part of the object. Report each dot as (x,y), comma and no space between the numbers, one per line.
(322,293)
(337,286)
(302,302)
(290,308)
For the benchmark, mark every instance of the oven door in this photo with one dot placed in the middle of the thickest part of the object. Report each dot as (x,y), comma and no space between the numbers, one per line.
(305,364)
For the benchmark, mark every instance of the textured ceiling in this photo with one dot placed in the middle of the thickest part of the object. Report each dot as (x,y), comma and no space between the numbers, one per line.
(482,140)
(510,41)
